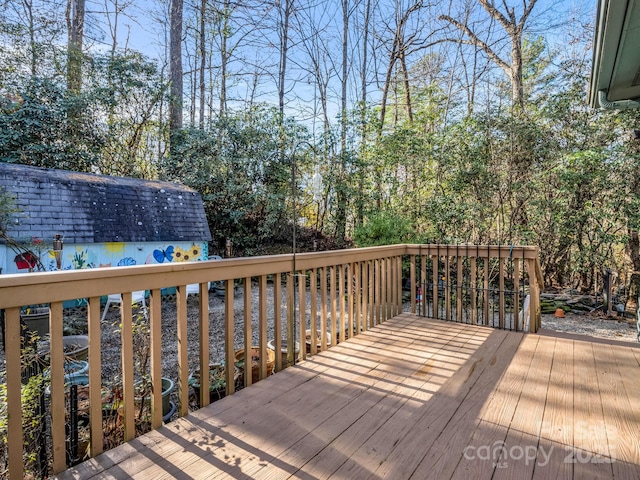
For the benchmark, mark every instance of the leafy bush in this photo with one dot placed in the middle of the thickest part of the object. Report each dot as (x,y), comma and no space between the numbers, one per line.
(385,228)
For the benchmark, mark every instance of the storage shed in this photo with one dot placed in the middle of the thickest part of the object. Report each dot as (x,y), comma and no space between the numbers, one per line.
(71,220)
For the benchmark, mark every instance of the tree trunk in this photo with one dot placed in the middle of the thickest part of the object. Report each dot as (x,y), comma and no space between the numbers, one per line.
(203,61)
(284,49)
(341,194)
(175,73)
(407,92)
(363,114)
(633,249)
(75,25)
(224,57)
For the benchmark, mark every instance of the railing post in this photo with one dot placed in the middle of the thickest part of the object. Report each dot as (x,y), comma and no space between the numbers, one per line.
(534,293)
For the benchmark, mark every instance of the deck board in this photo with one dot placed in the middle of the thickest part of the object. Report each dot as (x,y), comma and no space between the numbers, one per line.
(412,398)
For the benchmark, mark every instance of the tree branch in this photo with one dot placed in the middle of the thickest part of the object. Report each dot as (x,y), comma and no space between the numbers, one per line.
(478,43)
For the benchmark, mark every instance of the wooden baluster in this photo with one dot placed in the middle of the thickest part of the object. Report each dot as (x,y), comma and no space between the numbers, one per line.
(332,294)
(248,334)
(357,298)
(342,327)
(229,346)
(127,365)
(302,301)
(95,378)
(412,281)
(501,294)
(365,295)
(474,301)
(516,294)
(155,360)
(459,279)
(313,298)
(262,326)
(277,318)
(291,314)
(323,308)
(15,434)
(183,353)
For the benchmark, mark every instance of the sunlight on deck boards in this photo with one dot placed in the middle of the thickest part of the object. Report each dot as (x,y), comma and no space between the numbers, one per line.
(413,398)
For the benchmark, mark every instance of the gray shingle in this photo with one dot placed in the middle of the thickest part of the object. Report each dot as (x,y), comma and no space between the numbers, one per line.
(87,208)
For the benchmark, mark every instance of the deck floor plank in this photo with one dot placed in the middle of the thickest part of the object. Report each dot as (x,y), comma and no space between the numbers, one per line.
(589,431)
(478,456)
(371,446)
(446,427)
(407,399)
(271,437)
(521,444)
(322,461)
(556,432)
(623,441)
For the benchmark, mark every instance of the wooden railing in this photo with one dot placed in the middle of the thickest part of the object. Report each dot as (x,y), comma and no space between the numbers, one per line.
(483,285)
(338,293)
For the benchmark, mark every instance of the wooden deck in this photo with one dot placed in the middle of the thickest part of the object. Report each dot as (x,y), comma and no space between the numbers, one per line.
(413,398)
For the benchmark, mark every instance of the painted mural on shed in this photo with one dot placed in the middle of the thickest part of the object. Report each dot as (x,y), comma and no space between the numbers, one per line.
(70,220)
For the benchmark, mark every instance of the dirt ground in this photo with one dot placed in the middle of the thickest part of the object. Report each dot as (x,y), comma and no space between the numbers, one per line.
(599,326)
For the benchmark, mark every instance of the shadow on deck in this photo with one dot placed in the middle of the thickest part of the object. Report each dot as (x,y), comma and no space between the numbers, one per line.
(412,398)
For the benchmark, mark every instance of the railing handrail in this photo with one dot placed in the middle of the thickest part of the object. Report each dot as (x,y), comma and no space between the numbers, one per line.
(21,289)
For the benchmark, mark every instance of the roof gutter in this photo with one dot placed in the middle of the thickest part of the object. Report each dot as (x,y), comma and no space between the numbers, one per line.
(619,105)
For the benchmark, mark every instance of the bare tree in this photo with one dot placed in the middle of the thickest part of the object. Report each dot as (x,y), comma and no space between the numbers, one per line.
(285,12)
(403,44)
(203,59)
(514,27)
(75,26)
(175,71)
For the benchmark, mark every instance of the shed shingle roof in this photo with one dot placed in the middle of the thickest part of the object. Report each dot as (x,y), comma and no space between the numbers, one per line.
(88,208)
